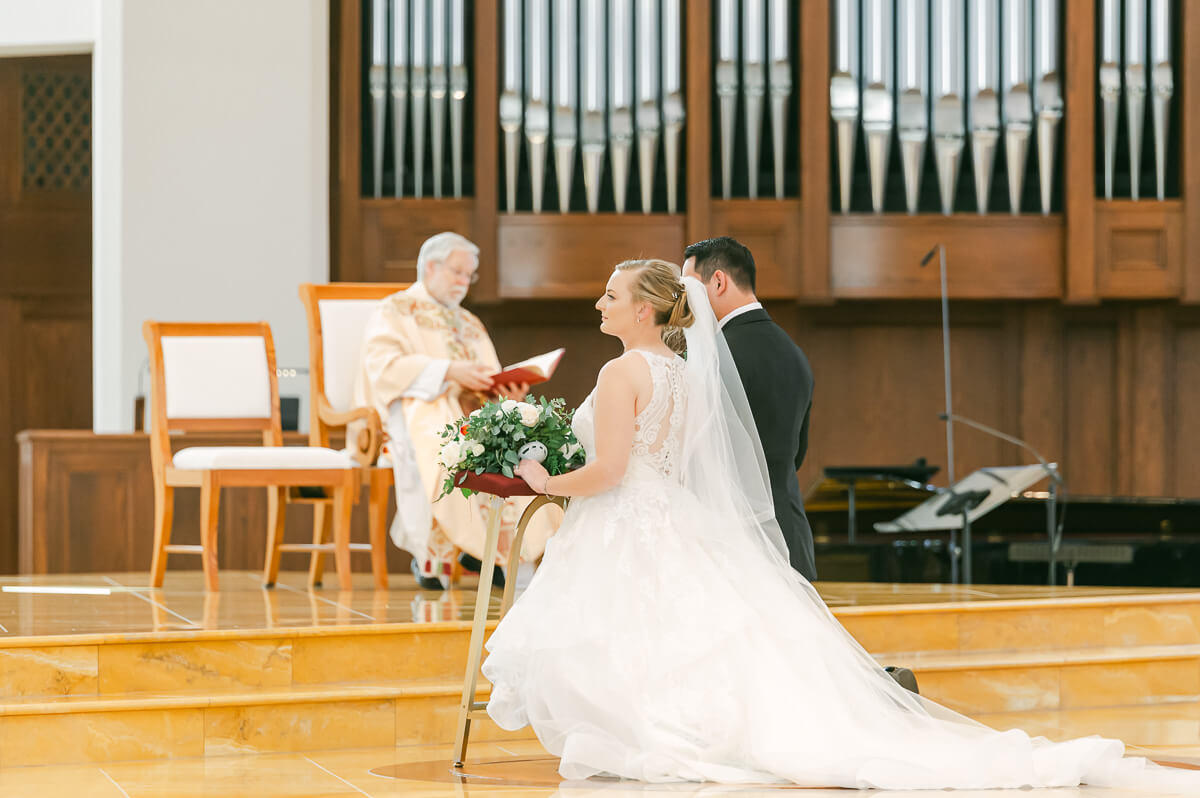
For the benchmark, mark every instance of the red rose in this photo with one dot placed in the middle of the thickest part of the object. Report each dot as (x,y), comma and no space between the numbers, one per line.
(463,429)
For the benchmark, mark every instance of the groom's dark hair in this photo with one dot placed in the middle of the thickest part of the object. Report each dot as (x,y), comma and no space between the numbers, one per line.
(727,254)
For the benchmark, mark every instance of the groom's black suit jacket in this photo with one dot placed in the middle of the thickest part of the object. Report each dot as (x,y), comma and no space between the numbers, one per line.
(779,387)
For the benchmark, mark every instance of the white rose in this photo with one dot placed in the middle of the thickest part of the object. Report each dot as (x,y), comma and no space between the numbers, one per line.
(568,450)
(476,412)
(530,414)
(508,404)
(477,449)
(451,455)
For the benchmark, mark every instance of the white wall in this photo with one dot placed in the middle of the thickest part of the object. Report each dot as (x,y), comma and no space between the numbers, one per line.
(211,172)
(47,27)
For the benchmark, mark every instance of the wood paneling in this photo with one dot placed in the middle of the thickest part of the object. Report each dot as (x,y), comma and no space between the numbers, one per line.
(1040,406)
(45,269)
(1146,351)
(98,507)
(394,230)
(45,251)
(988,257)
(1189,97)
(879,385)
(88,505)
(1108,392)
(814,162)
(1079,148)
(1139,249)
(345,115)
(487,147)
(1091,402)
(574,255)
(1183,379)
(694,171)
(774,234)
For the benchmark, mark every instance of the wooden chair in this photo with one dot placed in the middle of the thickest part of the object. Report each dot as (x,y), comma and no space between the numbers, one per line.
(337,316)
(221,377)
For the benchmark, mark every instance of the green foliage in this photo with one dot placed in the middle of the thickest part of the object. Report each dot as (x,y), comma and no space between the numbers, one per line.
(487,441)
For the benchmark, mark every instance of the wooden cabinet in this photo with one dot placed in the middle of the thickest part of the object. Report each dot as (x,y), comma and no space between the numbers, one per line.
(87,505)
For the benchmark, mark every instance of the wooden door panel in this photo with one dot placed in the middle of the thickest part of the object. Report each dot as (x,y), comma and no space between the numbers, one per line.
(45,263)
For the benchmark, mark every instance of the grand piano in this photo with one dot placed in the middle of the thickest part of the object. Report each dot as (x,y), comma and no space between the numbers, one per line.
(1106,540)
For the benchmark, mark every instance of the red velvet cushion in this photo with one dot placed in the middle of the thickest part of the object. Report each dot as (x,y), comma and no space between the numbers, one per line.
(495,484)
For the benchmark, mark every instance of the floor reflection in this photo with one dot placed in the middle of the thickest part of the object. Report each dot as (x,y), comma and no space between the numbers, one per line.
(130,606)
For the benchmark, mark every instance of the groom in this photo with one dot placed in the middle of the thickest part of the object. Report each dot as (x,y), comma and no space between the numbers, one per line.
(779,387)
(775,374)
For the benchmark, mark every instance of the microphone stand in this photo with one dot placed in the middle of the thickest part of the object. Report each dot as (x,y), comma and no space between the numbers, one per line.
(962,504)
(1053,530)
(1057,485)
(940,249)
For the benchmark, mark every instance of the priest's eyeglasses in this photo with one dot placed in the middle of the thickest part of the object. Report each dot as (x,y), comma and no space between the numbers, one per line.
(461,275)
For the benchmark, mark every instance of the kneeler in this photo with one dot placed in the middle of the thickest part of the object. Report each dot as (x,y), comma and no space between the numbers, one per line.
(499,488)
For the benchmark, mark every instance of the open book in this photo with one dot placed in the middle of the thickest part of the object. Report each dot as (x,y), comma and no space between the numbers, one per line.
(531,371)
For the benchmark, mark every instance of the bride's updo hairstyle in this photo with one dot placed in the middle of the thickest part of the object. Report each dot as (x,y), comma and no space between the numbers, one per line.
(659,283)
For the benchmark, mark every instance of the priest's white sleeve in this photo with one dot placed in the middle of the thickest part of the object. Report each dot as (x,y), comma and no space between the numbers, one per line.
(413,523)
(430,383)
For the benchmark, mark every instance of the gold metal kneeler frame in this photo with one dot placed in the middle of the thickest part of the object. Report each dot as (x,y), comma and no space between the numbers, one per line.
(469,708)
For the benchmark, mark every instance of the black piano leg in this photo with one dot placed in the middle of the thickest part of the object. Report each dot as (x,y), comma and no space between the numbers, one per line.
(851,512)
(966,550)
(954,553)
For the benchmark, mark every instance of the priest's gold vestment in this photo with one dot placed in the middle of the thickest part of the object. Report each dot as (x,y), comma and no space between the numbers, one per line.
(405,340)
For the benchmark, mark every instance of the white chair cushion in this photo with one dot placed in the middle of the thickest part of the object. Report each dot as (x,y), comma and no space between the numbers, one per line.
(216,376)
(204,458)
(343,328)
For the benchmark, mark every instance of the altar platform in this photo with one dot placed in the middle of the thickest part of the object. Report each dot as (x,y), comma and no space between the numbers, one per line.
(321,692)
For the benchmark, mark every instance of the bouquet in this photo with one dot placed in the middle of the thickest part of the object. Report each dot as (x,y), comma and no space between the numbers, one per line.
(497,436)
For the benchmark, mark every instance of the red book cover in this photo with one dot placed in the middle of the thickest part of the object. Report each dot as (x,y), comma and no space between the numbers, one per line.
(532,371)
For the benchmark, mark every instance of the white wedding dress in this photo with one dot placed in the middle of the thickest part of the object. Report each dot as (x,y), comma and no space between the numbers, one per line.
(658,641)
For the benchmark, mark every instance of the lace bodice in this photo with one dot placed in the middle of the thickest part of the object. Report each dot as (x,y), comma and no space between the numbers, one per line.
(657,428)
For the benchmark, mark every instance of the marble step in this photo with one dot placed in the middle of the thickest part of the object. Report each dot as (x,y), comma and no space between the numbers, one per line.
(1057,679)
(230,661)
(197,723)
(1151,619)
(240,659)
(1161,726)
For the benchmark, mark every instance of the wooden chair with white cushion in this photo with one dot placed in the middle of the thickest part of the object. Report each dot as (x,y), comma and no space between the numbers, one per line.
(221,377)
(337,316)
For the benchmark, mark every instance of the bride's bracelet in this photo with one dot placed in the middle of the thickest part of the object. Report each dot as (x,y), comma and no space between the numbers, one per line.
(545,489)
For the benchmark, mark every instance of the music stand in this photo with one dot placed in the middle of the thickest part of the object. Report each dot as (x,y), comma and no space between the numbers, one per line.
(915,476)
(966,501)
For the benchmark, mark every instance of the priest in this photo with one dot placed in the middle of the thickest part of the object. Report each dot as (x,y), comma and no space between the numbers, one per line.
(425,363)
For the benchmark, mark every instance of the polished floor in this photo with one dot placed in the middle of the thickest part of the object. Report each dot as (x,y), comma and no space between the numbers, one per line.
(504,770)
(963,632)
(122,604)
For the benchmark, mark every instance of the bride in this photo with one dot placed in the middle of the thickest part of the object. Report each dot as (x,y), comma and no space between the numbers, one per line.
(665,636)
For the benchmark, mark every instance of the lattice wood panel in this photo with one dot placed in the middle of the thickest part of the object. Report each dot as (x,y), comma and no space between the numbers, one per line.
(56,124)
